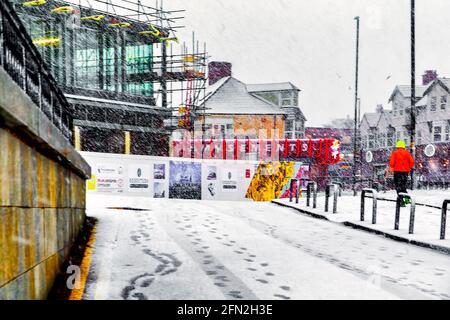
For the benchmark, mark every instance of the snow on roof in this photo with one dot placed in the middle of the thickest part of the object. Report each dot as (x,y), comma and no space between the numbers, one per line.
(210,90)
(264,87)
(230,96)
(422,102)
(405,91)
(372,118)
(446,82)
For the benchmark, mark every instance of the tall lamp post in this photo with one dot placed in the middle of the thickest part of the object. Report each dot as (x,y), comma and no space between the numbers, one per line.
(413,91)
(355,134)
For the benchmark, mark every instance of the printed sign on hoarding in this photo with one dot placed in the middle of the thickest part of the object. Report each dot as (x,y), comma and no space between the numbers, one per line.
(229,180)
(110,178)
(139,178)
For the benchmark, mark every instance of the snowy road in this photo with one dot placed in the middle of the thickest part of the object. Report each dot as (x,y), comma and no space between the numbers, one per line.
(185,249)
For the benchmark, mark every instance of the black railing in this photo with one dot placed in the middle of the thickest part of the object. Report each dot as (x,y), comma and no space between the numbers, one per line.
(374,204)
(444,218)
(400,197)
(24,64)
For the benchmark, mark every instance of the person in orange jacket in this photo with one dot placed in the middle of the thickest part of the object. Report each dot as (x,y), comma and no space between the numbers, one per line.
(401,163)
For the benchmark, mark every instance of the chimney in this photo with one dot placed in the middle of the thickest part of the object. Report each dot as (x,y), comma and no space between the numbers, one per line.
(429,76)
(379,108)
(218,70)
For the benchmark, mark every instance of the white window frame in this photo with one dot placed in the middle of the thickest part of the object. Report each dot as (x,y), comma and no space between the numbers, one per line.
(433,104)
(440,133)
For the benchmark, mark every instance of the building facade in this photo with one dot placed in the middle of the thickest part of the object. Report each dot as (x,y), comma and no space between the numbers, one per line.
(342,171)
(103,62)
(232,108)
(381,130)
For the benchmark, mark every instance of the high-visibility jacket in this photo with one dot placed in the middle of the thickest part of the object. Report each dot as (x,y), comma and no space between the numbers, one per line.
(401,161)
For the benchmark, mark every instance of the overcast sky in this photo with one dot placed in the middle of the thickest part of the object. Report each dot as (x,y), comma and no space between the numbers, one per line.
(312,44)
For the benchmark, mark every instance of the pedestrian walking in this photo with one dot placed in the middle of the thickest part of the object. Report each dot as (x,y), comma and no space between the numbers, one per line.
(401,163)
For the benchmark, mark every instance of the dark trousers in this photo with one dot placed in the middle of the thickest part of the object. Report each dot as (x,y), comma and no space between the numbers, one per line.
(400,181)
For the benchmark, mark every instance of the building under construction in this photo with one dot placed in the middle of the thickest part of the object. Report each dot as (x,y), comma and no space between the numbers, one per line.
(115,62)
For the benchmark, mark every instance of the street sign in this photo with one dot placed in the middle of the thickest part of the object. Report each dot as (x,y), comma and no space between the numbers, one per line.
(430,150)
(369,156)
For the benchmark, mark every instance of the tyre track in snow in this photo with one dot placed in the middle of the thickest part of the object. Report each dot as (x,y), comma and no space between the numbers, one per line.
(409,283)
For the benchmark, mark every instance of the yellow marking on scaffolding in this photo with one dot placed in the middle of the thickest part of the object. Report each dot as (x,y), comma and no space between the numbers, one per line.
(77,294)
(34,3)
(93,18)
(77,138)
(64,9)
(154,32)
(47,42)
(120,24)
(127,142)
(169,39)
(189,58)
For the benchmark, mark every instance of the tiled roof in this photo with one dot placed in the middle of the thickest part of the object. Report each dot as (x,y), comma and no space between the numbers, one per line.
(230,96)
(406,91)
(372,118)
(264,87)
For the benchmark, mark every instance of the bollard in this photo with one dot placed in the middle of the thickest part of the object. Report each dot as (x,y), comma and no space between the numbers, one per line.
(411,215)
(291,190)
(374,204)
(444,218)
(327,196)
(297,193)
(339,184)
(312,184)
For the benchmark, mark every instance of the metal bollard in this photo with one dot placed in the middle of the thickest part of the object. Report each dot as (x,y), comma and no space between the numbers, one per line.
(312,184)
(297,193)
(444,218)
(291,190)
(374,204)
(339,184)
(411,215)
(335,196)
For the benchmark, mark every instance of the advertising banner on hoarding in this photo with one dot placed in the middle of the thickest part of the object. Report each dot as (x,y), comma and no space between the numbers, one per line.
(139,178)
(179,178)
(110,178)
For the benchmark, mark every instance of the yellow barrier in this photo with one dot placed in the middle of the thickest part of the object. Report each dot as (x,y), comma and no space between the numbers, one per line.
(64,9)
(92,18)
(34,3)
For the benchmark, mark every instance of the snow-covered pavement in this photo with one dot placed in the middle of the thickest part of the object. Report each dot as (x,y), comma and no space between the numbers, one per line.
(427,225)
(187,249)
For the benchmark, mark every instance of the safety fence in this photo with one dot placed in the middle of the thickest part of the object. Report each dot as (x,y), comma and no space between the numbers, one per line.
(398,205)
(24,64)
(334,190)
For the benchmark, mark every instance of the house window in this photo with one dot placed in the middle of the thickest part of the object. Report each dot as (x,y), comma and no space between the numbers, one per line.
(447,133)
(433,104)
(371,141)
(400,109)
(390,138)
(296,99)
(229,130)
(419,137)
(437,134)
(364,142)
(395,109)
(298,126)
(443,102)
(382,140)
(286,99)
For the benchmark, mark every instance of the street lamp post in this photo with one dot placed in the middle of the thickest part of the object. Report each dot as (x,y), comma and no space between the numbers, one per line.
(413,92)
(355,135)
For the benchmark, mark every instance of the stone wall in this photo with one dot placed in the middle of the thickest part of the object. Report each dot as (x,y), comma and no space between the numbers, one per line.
(42,196)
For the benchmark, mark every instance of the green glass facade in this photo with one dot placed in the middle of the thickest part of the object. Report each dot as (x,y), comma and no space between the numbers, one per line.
(93,58)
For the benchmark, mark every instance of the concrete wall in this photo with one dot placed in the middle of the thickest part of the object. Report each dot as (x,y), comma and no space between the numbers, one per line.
(42,196)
